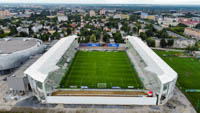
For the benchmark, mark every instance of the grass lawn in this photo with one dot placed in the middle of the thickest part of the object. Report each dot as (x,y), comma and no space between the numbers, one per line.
(188,70)
(91,68)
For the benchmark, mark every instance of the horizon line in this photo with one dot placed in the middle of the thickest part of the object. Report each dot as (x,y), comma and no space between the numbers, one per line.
(64,3)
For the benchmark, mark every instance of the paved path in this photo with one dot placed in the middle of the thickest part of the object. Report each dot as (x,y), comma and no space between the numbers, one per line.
(166,49)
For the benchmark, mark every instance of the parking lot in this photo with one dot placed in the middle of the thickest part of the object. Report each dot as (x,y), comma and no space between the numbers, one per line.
(5,103)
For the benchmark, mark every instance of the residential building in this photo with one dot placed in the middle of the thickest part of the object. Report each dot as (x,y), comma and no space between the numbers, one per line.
(167,21)
(190,22)
(92,13)
(21,29)
(117,16)
(36,28)
(194,33)
(62,18)
(178,43)
(102,12)
(125,16)
(4,13)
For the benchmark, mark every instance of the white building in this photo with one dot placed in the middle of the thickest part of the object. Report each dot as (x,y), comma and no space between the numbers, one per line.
(15,51)
(178,43)
(62,18)
(21,29)
(178,14)
(117,16)
(166,22)
(36,28)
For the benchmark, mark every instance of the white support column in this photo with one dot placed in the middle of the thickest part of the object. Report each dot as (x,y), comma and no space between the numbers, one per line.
(159,97)
(44,90)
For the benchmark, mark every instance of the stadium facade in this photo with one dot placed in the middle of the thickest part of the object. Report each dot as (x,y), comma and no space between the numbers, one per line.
(46,73)
(15,51)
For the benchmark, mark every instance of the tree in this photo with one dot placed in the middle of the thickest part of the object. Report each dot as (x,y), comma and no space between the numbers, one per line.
(151,42)
(149,33)
(30,30)
(13,30)
(35,36)
(138,26)
(143,36)
(2,34)
(69,31)
(118,38)
(198,26)
(135,30)
(106,37)
(170,43)
(181,25)
(1,31)
(192,48)
(56,35)
(133,17)
(77,18)
(197,44)
(125,27)
(162,34)
(45,36)
(97,34)
(93,38)
(23,34)
(163,43)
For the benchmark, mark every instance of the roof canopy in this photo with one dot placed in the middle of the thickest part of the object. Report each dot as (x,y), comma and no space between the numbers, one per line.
(47,63)
(10,45)
(154,63)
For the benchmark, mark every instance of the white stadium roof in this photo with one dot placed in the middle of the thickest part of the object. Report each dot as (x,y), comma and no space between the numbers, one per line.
(47,63)
(154,63)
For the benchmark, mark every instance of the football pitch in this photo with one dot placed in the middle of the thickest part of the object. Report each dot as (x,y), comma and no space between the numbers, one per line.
(90,68)
(188,70)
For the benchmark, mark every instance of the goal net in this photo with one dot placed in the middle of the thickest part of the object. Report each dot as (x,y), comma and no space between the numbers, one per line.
(101,85)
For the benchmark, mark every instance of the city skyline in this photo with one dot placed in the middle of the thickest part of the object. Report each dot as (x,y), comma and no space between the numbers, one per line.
(171,2)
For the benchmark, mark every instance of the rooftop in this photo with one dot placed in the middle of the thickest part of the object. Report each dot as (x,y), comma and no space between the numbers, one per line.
(10,45)
(47,63)
(20,71)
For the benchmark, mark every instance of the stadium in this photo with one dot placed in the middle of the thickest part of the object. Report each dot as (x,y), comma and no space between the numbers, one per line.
(15,51)
(116,74)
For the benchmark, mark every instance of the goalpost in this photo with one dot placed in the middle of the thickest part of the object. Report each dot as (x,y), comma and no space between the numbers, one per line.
(101,85)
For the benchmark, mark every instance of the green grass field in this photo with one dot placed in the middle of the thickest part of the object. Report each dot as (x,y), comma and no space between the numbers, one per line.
(91,68)
(188,70)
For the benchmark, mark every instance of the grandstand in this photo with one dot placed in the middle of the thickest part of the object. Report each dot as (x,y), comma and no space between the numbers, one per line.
(155,74)
(67,75)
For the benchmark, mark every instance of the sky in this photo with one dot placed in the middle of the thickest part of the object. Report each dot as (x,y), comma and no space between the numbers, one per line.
(167,2)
